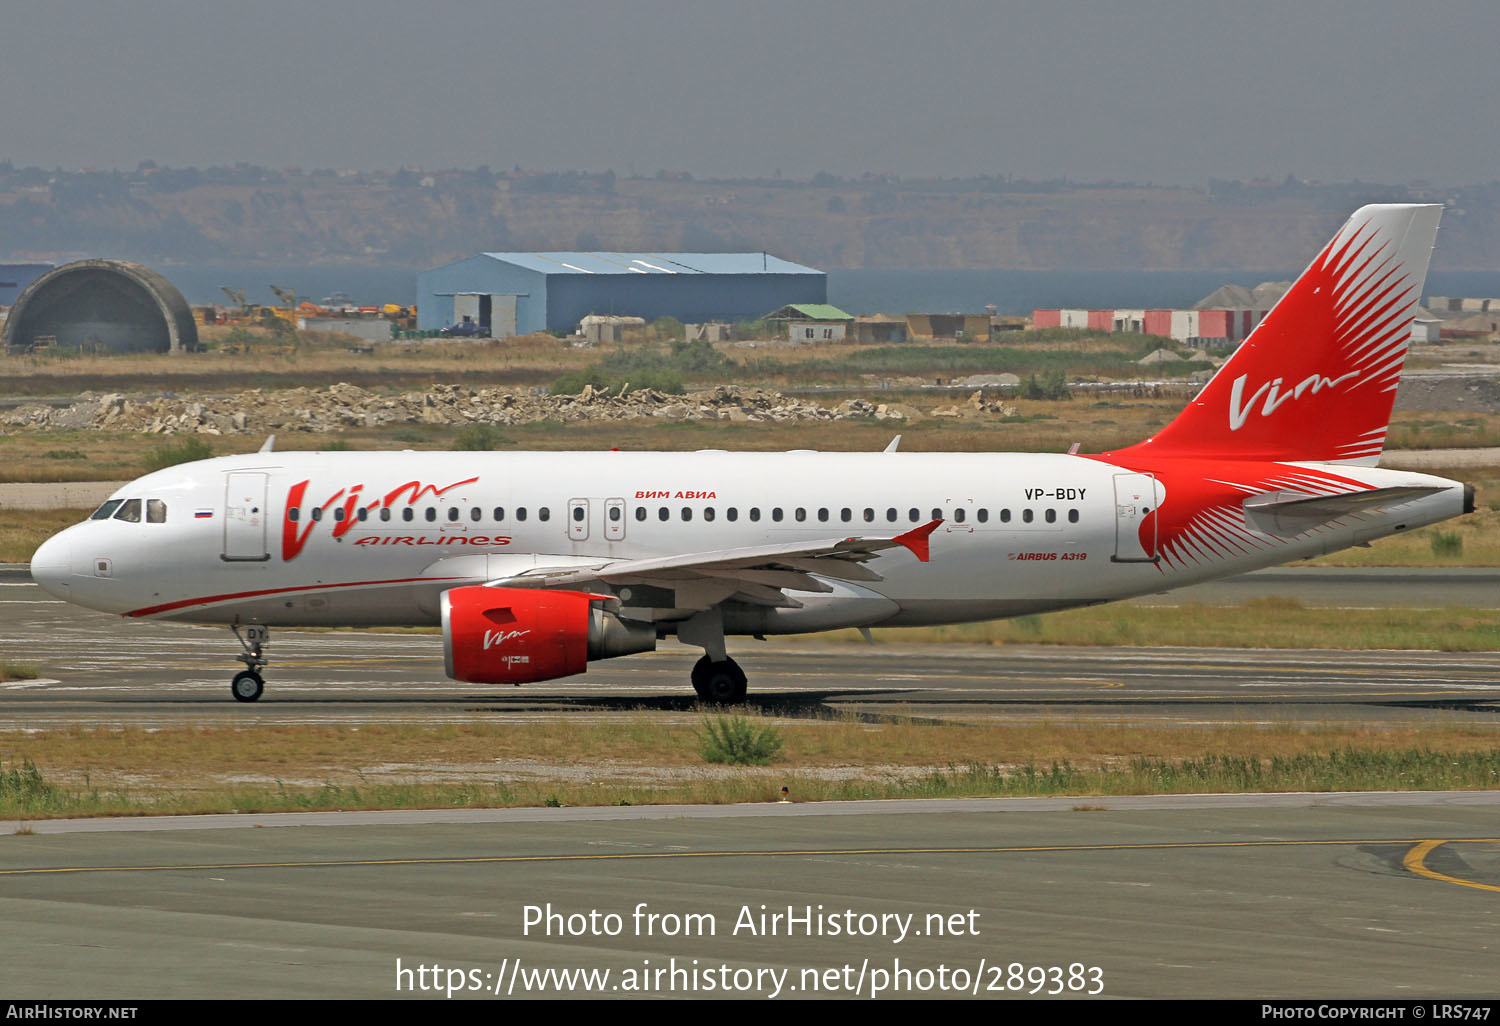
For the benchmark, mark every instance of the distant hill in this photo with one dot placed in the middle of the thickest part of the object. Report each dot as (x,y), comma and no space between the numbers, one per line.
(413,218)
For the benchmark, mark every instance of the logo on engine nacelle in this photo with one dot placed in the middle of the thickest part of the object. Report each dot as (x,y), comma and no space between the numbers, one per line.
(493,638)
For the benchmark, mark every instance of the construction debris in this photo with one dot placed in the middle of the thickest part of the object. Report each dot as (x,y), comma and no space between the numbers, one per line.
(343,406)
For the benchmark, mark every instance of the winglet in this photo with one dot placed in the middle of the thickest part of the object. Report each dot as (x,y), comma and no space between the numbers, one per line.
(916,538)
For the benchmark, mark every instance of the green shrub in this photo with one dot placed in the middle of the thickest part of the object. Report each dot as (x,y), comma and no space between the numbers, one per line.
(738,742)
(481,438)
(1051,385)
(1447,543)
(65,454)
(24,789)
(188,450)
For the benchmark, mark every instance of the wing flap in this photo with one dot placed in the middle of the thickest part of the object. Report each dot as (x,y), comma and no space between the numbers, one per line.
(790,566)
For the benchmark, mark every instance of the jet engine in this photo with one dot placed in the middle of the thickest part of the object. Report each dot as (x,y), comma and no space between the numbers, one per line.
(518,635)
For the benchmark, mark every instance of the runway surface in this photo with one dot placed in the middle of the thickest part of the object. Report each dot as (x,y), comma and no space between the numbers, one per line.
(1207,897)
(102,669)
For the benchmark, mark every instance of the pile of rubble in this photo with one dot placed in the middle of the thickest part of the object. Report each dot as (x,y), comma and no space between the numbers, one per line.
(343,406)
(977,406)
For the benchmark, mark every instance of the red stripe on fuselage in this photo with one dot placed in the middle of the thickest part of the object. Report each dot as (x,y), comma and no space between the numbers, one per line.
(211,599)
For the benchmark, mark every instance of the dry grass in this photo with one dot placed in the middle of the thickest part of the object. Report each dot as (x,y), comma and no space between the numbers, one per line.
(22,530)
(630,745)
(316,360)
(640,758)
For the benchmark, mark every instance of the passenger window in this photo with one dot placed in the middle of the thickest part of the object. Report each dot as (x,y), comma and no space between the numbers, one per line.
(615,513)
(385,513)
(640,512)
(430,513)
(578,514)
(958,515)
(520,512)
(983,515)
(408,514)
(1072,516)
(107,510)
(544,513)
(317,513)
(1052,516)
(475,514)
(890,515)
(732,514)
(1005,516)
(708,513)
(845,514)
(339,514)
(452,514)
(363,513)
(869,515)
(663,514)
(687,513)
(936,513)
(293,514)
(499,514)
(755,514)
(823,515)
(1027,515)
(156,511)
(801,514)
(913,514)
(776,514)
(130,512)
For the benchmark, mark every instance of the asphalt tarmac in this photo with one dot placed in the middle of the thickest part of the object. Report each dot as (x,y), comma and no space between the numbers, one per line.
(102,669)
(1190,897)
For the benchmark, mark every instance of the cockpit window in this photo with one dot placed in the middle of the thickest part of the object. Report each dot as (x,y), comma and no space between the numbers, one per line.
(156,511)
(107,510)
(130,511)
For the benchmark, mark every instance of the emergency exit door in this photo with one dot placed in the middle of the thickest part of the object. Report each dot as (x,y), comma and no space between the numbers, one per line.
(245,517)
(1135,525)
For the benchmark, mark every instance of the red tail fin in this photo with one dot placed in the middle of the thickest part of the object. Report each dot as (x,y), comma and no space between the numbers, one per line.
(1316,380)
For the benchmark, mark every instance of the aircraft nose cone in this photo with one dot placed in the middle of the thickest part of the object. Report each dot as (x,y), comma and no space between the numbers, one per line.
(51,567)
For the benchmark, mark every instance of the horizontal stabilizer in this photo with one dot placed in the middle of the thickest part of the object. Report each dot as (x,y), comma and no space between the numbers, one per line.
(1295,515)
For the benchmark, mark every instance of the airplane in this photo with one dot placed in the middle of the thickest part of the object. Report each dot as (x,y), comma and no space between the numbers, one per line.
(536,563)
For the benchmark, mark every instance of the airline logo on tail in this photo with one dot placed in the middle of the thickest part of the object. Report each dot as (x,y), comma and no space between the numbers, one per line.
(1316,380)
(1239,411)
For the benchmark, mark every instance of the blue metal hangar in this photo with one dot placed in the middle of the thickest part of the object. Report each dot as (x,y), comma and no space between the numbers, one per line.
(517,293)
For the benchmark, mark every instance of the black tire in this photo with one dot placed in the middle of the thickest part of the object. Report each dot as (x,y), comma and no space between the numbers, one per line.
(721,683)
(246,686)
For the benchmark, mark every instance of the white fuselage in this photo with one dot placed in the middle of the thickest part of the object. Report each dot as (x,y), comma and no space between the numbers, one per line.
(337,538)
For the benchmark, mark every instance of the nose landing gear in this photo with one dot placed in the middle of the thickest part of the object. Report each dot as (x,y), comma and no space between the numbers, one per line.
(247,684)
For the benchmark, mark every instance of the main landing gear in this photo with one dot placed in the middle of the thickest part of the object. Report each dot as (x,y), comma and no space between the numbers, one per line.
(720,682)
(717,678)
(247,684)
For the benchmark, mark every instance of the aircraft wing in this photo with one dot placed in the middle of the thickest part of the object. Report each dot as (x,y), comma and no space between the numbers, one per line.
(1306,512)
(755,574)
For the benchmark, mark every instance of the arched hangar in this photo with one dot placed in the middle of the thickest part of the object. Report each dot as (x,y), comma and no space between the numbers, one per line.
(110,306)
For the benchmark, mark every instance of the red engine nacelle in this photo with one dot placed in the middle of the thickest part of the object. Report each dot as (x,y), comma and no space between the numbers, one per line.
(517,635)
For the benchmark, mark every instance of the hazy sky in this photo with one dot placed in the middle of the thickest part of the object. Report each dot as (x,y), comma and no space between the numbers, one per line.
(1172,92)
